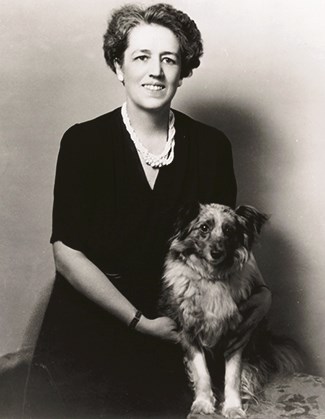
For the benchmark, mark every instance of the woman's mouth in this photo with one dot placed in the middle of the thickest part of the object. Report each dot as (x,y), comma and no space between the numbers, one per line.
(153,87)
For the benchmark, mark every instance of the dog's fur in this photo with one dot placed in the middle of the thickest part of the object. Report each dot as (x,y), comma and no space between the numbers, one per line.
(209,270)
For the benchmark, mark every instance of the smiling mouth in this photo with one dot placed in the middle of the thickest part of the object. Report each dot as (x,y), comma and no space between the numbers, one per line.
(153,87)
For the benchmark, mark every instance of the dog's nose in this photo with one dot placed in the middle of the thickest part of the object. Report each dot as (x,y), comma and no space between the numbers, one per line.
(216,253)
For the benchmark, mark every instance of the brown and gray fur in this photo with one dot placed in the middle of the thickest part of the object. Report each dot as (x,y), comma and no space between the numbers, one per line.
(209,270)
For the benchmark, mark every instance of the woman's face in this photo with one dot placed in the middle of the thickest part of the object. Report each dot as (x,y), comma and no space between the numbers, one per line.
(151,67)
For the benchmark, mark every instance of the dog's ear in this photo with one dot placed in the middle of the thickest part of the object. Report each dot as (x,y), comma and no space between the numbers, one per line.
(187,213)
(251,221)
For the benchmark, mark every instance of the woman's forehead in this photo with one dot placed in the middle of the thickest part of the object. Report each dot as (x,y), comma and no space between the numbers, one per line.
(152,37)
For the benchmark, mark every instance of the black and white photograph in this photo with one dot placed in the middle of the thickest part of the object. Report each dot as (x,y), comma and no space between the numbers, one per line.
(162,209)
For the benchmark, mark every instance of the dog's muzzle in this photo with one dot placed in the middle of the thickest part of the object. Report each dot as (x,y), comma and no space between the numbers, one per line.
(217,252)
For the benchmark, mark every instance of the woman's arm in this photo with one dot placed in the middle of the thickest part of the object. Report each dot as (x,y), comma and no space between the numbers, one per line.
(93,283)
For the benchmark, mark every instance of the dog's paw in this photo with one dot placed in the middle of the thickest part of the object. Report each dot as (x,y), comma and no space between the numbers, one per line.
(233,412)
(202,406)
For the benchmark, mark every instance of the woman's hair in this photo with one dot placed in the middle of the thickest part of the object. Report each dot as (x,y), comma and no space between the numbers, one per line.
(127,17)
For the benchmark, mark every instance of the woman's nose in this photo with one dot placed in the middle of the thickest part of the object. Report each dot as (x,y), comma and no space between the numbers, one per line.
(155,67)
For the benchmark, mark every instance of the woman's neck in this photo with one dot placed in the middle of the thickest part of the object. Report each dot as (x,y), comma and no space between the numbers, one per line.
(145,123)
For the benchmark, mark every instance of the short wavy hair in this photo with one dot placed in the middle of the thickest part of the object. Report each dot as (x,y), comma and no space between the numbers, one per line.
(128,17)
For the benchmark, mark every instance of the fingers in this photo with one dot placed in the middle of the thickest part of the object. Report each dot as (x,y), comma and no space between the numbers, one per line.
(176,338)
(246,326)
(172,337)
(252,321)
(260,301)
(168,322)
(166,329)
(245,305)
(253,302)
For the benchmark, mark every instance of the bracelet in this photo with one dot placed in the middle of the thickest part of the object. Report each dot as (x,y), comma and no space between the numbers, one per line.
(135,319)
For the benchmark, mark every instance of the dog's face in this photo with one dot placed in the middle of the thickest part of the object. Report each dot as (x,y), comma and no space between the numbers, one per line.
(217,234)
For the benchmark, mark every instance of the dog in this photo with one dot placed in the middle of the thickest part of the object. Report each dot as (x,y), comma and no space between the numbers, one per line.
(209,270)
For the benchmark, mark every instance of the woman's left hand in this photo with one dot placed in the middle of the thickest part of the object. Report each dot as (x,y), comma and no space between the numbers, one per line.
(253,311)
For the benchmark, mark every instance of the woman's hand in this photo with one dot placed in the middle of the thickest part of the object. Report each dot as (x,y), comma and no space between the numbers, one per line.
(162,327)
(253,311)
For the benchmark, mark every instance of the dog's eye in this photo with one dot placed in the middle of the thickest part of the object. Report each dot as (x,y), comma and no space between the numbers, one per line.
(204,228)
(227,229)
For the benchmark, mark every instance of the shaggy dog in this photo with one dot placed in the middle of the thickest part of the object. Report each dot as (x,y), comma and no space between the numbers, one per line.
(209,269)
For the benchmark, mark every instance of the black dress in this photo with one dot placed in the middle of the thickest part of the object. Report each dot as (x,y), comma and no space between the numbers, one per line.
(86,363)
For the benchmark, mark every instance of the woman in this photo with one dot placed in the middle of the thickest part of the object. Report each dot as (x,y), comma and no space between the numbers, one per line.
(120,181)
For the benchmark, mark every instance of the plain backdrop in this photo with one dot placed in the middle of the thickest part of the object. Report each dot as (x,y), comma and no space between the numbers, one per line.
(262,81)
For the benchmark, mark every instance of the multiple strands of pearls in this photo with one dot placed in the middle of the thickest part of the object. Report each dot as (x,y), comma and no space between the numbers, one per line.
(153,160)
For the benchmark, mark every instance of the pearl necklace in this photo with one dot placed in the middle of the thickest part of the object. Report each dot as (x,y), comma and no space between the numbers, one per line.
(153,160)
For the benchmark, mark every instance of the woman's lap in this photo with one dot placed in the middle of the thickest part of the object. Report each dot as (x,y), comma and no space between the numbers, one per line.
(88,365)
(126,390)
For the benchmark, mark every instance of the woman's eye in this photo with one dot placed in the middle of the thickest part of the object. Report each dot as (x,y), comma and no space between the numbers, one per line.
(204,228)
(142,58)
(168,60)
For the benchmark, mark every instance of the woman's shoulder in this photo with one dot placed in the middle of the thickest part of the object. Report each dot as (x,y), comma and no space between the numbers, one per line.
(92,131)
(102,120)
(198,131)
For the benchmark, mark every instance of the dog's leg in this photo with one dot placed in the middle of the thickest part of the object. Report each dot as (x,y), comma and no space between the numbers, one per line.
(232,407)
(197,368)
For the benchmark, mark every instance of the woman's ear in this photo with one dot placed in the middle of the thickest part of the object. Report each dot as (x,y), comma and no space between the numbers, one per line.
(180,82)
(119,71)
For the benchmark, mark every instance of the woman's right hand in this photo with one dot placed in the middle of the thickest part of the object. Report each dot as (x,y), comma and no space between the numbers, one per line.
(162,327)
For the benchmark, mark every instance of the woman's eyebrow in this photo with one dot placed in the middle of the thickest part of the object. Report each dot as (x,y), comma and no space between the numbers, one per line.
(170,53)
(142,51)
(148,51)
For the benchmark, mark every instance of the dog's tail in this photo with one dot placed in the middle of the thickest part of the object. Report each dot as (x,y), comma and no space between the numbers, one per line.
(265,356)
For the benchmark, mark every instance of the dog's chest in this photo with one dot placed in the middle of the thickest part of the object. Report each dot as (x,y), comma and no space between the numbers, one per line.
(205,309)
(216,305)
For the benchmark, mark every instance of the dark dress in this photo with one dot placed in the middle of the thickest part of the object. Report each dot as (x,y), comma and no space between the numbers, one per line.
(86,363)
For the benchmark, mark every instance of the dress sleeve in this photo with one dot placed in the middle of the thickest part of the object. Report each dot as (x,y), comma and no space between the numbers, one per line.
(217,177)
(228,193)
(72,199)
